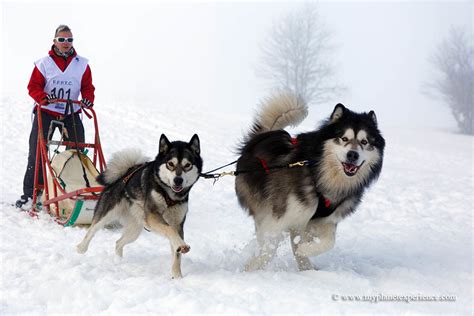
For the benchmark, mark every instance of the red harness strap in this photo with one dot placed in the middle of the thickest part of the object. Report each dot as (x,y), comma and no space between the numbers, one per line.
(128,176)
(327,202)
(294,142)
(264,165)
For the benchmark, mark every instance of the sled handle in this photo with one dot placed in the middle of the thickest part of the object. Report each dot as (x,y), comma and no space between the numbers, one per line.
(66,101)
(84,108)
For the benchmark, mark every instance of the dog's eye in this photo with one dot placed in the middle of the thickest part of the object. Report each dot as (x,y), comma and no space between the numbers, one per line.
(170,165)
(344,139)
(187,166)
(364,142)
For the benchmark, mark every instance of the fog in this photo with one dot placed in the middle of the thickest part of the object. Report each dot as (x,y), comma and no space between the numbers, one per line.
(204,54)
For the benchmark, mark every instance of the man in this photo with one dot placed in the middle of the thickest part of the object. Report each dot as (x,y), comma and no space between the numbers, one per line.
(61,75)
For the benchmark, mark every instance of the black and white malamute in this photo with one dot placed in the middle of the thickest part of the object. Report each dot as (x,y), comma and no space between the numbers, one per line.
(152,194)
(342,158)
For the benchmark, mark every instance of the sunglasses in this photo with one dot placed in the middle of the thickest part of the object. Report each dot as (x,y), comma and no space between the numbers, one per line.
(64,39)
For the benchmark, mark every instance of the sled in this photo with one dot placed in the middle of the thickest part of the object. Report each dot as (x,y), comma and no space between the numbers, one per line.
(69,190)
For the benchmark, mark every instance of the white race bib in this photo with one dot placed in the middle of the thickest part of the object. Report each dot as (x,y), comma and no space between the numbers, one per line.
(64,85)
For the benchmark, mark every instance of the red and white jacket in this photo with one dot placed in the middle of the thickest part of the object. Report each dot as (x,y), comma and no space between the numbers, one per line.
(65,77)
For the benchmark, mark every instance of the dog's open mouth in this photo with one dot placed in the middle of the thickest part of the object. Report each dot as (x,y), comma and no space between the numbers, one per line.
(351,169)
(177,188)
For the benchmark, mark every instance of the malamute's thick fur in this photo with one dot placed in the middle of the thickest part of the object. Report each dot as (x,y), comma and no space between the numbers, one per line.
(344,156)
(152,194)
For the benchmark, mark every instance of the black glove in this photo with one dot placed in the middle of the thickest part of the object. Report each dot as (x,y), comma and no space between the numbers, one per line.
(87,103)
(51,98)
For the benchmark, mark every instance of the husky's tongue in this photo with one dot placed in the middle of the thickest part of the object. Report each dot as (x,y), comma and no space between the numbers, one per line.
(176,188)
(350,169)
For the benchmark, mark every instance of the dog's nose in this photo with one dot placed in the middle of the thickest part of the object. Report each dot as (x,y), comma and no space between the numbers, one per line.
(178,180)
(352,156)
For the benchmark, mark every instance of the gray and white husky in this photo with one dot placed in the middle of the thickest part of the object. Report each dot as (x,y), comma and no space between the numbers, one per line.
(151,194)
(341,159)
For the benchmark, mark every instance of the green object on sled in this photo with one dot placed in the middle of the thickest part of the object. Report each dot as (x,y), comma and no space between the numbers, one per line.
(75,213)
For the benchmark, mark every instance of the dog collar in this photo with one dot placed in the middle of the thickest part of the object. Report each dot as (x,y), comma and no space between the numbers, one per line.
(168,200)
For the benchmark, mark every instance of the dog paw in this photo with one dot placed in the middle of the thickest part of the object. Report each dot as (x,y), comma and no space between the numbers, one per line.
(249,268)
(119,252)
(305,264)
(255,264)
(81,248)
(183,249)
(308,249)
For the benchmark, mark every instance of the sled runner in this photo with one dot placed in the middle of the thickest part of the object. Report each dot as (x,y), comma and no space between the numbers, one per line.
(69,189)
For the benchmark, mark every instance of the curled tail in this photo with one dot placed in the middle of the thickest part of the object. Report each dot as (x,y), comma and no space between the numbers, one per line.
(278,112)
(120,163)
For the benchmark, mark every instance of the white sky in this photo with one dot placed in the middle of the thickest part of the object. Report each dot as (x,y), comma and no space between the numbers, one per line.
(204,53)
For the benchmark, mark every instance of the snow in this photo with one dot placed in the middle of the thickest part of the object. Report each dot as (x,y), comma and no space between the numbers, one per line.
(411,236)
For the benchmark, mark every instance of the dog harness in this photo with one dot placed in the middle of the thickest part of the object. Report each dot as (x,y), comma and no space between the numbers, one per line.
(263,162)
(324,208)
(133,170)
(169,201)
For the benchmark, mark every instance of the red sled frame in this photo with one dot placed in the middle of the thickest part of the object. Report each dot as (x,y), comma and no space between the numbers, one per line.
(43,160)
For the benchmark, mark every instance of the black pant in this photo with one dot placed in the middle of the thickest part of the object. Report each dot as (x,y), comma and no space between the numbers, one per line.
(28,181)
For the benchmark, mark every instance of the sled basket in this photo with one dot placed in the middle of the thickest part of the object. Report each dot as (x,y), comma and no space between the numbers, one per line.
(73,203)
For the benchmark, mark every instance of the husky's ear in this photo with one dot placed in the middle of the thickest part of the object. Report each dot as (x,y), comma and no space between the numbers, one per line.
(373,117)
(338,112)
(164,145)
(194,144)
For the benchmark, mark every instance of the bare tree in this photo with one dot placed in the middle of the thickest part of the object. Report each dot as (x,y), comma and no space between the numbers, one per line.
(455,76)
(295,57)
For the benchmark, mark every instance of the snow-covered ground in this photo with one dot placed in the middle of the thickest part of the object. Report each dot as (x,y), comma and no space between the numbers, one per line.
(411,236)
